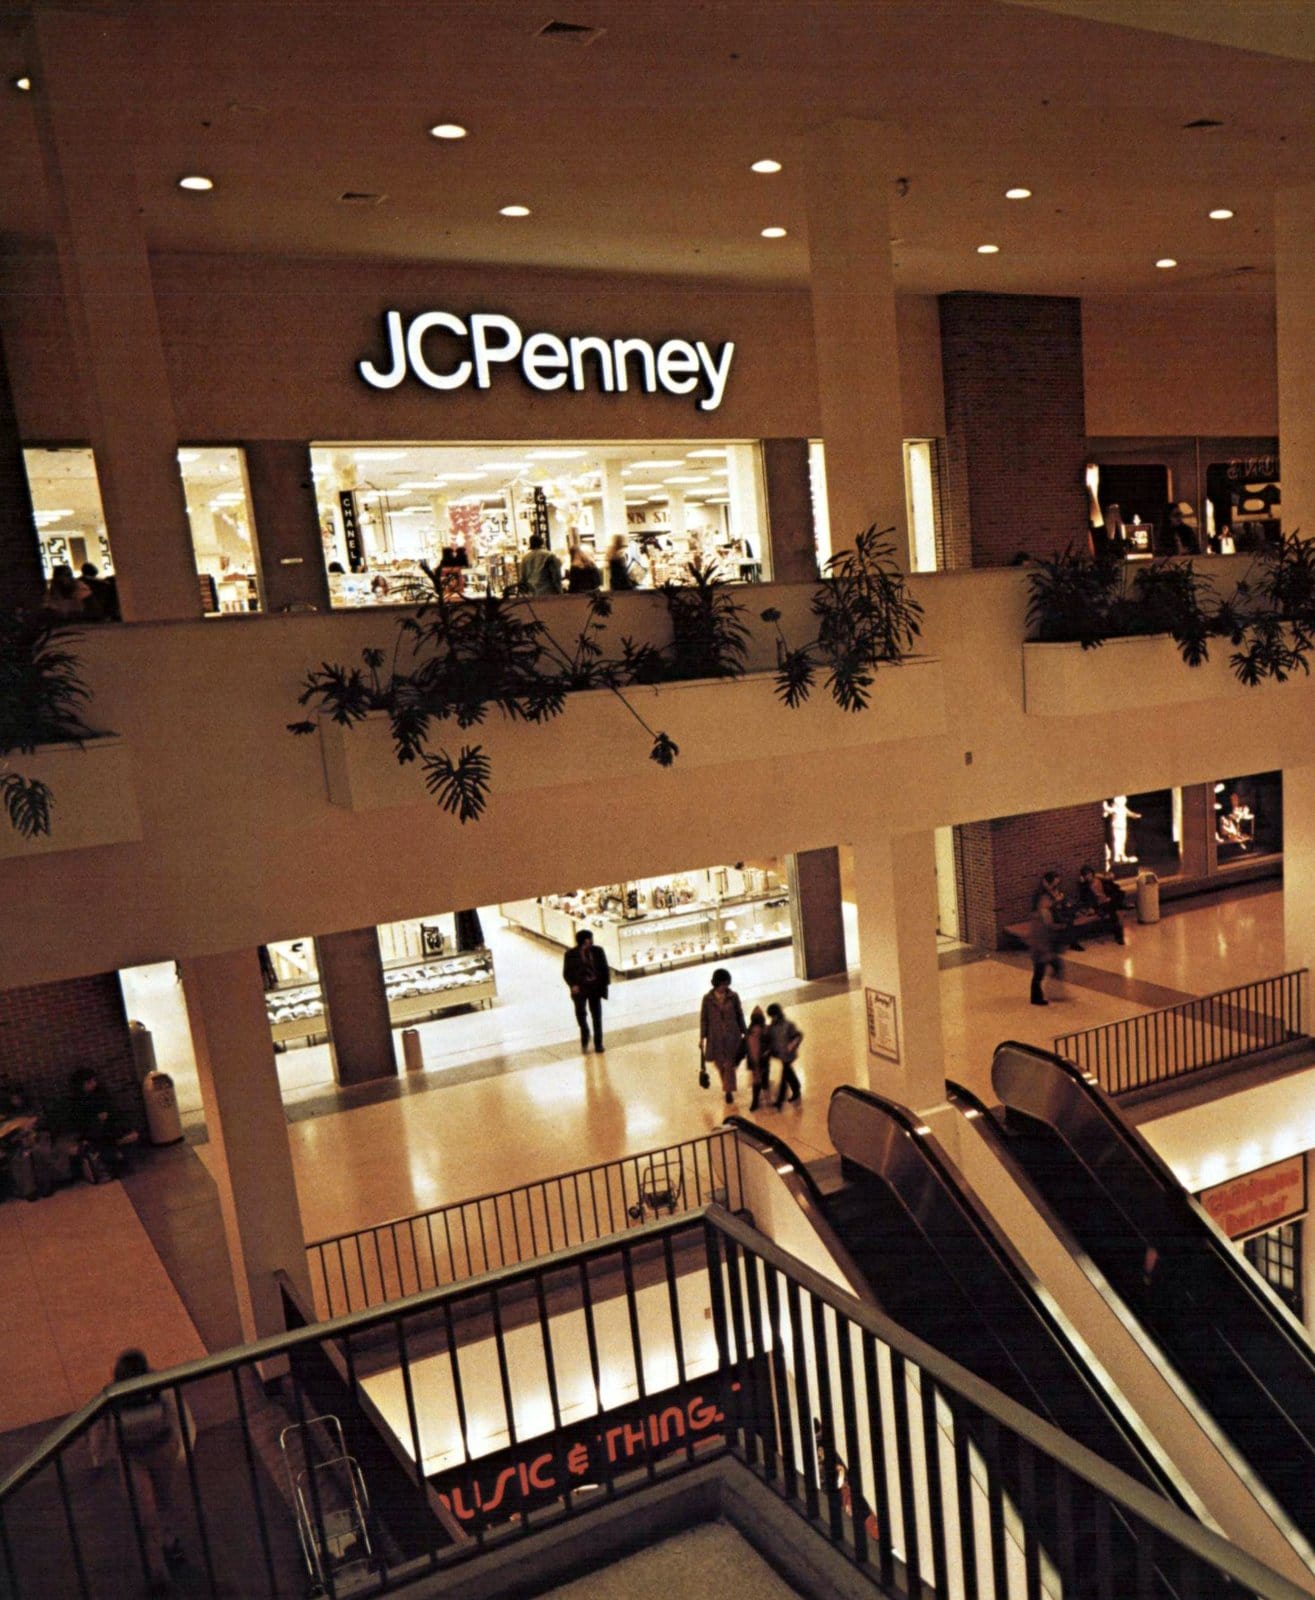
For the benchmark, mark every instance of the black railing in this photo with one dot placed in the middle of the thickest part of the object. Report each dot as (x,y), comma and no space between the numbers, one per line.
(1177,1040)
(373,1266)
(502,1407)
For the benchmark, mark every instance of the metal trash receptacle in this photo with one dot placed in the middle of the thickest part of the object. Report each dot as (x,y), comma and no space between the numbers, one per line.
(163,1121)
(1148,897)
(412,1053)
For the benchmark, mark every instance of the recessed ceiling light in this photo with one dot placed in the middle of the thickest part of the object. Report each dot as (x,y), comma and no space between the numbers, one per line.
(766,165)
(448,130)
(196,182)
(1221,214)
(380,455)
(1018,194)
(25,84)
(555,455)
(1166,261)
(514,211)
(657,461)
(988,249)
(695,455)
(773,233)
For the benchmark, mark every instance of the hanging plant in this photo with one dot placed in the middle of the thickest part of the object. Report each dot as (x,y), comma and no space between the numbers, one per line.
(42,696)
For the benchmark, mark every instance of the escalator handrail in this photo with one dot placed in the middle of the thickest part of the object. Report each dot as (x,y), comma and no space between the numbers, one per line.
(1143,1152)
(1020,1276)
(778,1147)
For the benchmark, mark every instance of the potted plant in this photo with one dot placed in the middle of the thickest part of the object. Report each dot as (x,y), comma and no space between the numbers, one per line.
(42,696)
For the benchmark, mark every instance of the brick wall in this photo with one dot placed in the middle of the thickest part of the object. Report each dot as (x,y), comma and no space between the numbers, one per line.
(1002,862)
(47,1032)
(1015,425)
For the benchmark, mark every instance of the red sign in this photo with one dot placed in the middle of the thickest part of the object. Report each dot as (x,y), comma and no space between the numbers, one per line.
(1260,1200)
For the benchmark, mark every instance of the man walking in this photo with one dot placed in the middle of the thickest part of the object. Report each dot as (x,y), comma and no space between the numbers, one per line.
(587,976)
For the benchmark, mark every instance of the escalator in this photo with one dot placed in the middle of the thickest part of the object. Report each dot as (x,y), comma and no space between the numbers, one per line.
(1207,1315)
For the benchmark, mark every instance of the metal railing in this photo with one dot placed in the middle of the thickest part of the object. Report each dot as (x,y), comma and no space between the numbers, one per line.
(531,1397)
(448,1243)
(1177,1040)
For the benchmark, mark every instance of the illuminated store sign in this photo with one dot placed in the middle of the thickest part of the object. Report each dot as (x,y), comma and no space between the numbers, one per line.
(486,340)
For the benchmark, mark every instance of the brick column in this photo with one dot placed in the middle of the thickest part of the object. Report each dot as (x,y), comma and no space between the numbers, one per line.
(1015,425)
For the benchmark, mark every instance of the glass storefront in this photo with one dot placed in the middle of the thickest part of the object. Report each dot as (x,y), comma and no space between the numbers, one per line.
(1248,815)
(219,511)
(70,525)
(1143,832)
(638,513)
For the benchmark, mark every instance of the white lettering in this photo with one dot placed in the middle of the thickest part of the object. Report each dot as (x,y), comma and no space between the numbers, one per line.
(371,373)
(544,353)
(415,337)
(481,325)
(678,366)
(717,373)
(621,349)
(599,347)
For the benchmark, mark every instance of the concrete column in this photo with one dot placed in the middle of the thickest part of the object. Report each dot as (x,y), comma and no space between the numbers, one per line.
(613,518)
(1198,860)
(21,582)
(287,525)
(851,166)
(356,1003)
(816,915)
(1294,297)
(1299,870)
(895,885)
(249,1154)
(789,511)
(83,114)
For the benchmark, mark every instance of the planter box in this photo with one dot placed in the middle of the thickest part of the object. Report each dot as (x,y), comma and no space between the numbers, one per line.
(94,800)
(713,721)
(1064,680)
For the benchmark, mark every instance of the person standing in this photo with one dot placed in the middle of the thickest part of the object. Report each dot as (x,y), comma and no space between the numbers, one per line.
(151,1430)
(784,1039)
(541,571)
(1041,935)
(722,1030)
(757,1056)
(588,977)
(582,576)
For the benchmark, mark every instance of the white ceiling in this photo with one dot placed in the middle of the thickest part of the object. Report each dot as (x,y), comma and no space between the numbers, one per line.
(633,151)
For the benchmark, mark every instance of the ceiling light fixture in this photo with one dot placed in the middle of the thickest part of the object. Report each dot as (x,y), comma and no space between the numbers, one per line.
(448,130)
(1018,194)
(1221,214)
(1166,261)
(773,233)
(23,84)
(196,183)
(555,455)
(513,211)
(765,165)
(380,455)
(988,249)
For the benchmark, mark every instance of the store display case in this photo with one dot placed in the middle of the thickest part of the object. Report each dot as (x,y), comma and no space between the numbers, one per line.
(654,925)
(427,988)
(296,1014)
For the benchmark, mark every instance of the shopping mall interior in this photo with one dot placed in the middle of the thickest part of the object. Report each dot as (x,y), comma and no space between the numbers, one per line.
(436,449)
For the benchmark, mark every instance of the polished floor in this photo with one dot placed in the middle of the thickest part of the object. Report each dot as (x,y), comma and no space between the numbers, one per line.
(524,1113)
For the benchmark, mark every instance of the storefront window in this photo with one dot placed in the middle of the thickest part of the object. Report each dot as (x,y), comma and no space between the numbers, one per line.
(1248,816)
(821,506)
(638,512)
(1244,508)
(1144,832)
(218,509)
(71,529)
(920,493)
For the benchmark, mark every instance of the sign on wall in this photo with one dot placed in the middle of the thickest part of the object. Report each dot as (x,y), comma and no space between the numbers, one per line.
(883,1024)
(351,531)
(446,352)
(1259,1200)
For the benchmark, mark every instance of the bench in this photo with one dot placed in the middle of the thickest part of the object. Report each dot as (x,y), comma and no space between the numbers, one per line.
(1086,925)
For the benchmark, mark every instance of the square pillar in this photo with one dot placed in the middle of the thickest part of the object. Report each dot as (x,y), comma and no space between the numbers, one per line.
(789,510)
(1299,871)
(293,576)
(356,1004)
(817,922)
(1198,844)
(895,883)
(1294,306)
(249,1153)
(21,582)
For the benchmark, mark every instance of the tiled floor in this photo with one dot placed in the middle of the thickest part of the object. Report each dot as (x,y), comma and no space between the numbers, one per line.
(522,1115)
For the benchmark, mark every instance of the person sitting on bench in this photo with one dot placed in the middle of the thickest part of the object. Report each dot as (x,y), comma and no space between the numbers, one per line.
(1100,894)
(1062,910)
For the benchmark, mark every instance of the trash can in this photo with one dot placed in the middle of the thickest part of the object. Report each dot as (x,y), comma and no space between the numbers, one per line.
(412,1053)
(1148,897)
(143,1049)
(162,1119)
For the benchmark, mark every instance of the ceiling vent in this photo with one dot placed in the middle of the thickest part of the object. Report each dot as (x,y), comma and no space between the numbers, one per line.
(360,197)
(570,32)
(1204,122)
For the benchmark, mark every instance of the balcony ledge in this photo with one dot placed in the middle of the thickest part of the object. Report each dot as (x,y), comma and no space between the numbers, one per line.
(1064,680)
(94,799)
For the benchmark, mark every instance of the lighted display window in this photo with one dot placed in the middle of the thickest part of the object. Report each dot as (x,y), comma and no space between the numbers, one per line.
(1143,832)
(76,560)
(1248,816)
(637,514)
(219,511)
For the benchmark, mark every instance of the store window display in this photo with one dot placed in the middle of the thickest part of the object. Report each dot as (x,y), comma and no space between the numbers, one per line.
(1248,816)
(66,507)
(655,924)
(470,511)
(219,513)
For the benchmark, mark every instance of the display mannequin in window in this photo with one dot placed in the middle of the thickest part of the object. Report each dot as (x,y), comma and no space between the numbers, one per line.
(587,976)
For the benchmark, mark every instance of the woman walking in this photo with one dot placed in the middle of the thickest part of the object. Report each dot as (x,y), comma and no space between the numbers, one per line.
(722,1030)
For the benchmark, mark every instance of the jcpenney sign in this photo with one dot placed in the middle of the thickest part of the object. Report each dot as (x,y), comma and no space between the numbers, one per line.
(485,341)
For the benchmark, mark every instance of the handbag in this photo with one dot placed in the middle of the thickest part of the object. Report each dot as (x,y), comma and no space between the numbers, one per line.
(705,1081)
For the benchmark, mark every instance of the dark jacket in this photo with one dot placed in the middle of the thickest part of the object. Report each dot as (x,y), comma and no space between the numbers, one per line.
(589,977)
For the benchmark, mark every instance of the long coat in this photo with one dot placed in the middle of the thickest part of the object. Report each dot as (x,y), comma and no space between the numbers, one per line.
(721,1023)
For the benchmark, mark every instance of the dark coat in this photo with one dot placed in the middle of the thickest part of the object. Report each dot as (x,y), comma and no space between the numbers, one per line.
(576,973)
